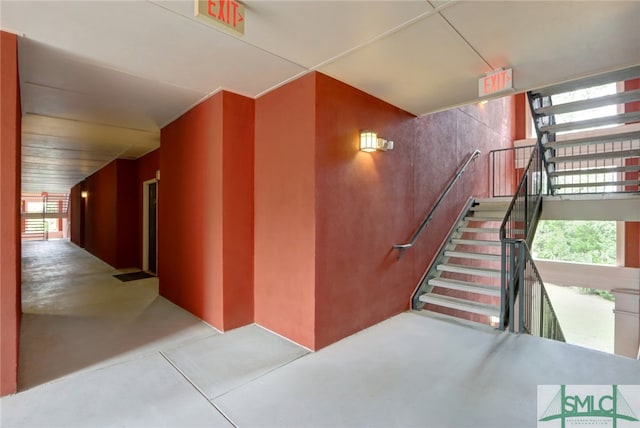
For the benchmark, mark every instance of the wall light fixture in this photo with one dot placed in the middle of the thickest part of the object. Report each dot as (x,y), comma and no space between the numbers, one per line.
(84,194)
(370,142)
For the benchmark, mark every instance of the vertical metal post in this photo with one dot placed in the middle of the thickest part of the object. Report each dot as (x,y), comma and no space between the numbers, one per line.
(493,170)
(503,284)
(543,305)
(521,286)
(512,268)
(526,205)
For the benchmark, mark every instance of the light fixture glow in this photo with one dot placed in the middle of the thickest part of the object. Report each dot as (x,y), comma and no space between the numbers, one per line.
(368,141)
(84,194)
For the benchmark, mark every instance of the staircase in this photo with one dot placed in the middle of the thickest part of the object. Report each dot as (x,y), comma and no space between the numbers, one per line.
(56,205)
(484,271)
(607,161)
(37,209)
(464,280)
(33,229)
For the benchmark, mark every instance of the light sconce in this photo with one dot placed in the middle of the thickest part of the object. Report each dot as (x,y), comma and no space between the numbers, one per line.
(84,194)
(370,142)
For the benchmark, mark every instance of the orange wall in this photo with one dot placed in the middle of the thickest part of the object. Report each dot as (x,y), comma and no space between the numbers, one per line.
(10,270)
(205,211)
(285,211)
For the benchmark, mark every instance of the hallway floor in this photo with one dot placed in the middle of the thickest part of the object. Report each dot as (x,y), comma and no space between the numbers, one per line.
(98,352)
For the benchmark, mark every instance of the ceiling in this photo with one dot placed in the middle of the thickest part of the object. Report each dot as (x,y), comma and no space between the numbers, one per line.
(99,79)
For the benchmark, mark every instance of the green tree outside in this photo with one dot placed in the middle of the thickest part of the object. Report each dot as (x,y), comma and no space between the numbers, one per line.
(576,241)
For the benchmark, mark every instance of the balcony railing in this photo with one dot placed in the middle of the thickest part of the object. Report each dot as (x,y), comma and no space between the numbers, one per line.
(506,168)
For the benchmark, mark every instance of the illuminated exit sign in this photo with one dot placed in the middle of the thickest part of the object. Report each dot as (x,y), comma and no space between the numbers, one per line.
(228,14)
(498,81)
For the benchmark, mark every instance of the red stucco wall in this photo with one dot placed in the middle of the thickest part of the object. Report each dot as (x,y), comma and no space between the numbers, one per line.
(364,205)
(112,219)
(269,212)
(100,220)
(237,209)
(10,271)
(128,215)
(285,218)
(205,201)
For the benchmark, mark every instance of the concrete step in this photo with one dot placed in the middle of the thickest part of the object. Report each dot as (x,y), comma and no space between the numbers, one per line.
(455,320)
(460,304)
(497,200)
(595,156)
(470,287)
(627,136)
(484,218)
(474,256)
(598,184)
(468,270)
(490,206)
(630,117)
(612,99)
(606,170)
(479,229)
(479,242)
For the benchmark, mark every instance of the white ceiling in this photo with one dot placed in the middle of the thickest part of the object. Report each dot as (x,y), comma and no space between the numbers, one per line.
(99,79)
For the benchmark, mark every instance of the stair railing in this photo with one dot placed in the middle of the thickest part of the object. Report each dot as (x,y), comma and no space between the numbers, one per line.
(525,305)
(404,247)
(535,314)
(518,225)
(524,210)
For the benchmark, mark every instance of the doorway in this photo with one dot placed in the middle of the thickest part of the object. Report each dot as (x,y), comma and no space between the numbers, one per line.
(150,227)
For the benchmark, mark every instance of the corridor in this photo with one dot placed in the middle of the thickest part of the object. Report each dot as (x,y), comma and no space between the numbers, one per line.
(98,352)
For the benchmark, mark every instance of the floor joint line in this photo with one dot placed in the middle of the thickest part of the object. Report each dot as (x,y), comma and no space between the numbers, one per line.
(201,392)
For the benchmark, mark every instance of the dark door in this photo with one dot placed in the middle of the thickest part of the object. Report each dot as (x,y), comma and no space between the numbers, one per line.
(153,210)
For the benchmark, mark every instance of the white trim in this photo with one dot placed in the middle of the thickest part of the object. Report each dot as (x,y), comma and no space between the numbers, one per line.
(588,275)
(145,223)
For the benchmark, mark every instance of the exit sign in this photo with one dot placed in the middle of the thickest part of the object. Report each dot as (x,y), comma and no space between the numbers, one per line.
(228,14)
(498,81)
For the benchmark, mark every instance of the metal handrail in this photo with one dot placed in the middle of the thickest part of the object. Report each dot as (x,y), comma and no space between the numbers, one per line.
(522,190)
(523,214)
(404,247)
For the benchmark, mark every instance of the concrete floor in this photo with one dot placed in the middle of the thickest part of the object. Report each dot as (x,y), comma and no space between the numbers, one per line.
(96,352)
(586,319)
